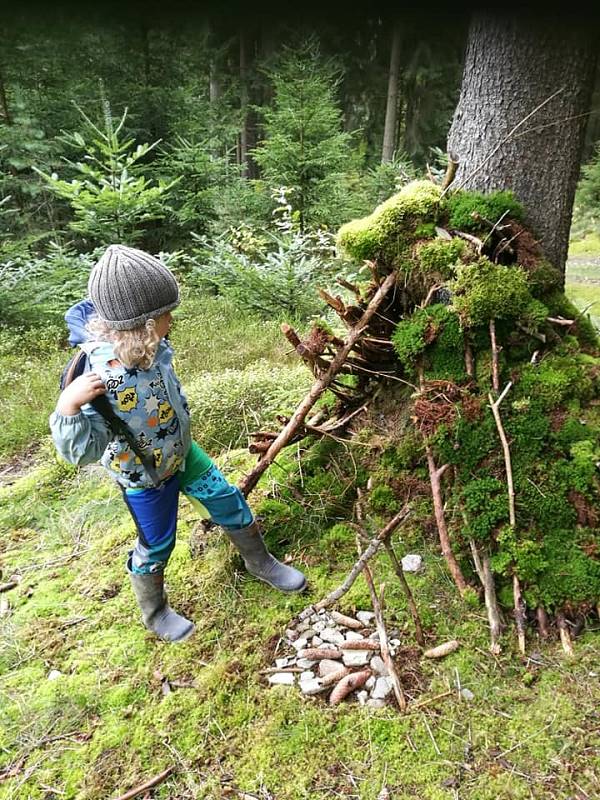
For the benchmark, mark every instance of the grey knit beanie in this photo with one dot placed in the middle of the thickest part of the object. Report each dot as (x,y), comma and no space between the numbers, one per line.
(129,287)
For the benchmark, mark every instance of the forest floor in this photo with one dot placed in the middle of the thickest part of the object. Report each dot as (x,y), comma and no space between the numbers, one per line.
(92,705)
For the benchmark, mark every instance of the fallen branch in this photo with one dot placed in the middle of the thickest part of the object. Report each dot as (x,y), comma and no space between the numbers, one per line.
(321,384)
(145,786)
(520,617)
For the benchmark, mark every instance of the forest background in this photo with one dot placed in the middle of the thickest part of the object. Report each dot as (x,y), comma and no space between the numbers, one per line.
(234,147)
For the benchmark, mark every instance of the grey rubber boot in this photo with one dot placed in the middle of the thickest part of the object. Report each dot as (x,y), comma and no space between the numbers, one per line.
(260,563)
(157,615)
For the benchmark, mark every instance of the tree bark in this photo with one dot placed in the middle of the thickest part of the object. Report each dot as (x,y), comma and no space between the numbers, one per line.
(247,132)
(391,111)
(512,65)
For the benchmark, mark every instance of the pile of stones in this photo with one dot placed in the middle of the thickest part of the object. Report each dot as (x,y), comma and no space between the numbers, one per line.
(325,647)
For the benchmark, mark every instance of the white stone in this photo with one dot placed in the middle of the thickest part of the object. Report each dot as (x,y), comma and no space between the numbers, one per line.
(362,697)
(300,644)
(412,563)
(316,641)
(307,675)
(377,665)
(291,635)
(383,687)
(332,636)
(302,626)
(309,633)
(365,617)
(394,642)
(467,694)
(327,666)
(353,636)
(311,686)
(355,658)
(370,682)
(305,663)
(282,678)
(319,626)
(281,662)
(376,702)
(54,674)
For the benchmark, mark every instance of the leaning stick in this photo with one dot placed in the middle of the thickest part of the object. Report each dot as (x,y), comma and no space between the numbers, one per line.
(383,637)
(318,388)
(410,600)
(373,547)
(495,352)
(483,569)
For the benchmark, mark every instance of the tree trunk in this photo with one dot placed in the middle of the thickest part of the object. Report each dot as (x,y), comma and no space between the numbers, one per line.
(512,65)
(391,111)
(247,133)
(4,102)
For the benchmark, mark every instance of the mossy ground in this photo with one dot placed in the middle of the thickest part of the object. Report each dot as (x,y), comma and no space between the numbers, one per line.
(106,724)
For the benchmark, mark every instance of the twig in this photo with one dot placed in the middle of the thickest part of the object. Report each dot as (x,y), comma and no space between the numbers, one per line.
(495,406)
(143,787)
(450,172)
(430,700)
(410,600)
(318,388)
(6,587)
(495,353)
(565,636)
(503,141)
(375,544)
(483,569)
(383,637)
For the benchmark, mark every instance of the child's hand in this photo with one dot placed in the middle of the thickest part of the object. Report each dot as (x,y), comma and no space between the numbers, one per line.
(82,390)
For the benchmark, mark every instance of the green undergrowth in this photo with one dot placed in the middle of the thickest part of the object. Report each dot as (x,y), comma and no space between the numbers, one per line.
(105,724)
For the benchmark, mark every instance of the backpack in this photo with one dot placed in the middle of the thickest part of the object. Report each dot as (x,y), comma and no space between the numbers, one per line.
(76,366)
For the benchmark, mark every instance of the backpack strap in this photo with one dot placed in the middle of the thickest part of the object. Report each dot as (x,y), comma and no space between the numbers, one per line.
(102,405)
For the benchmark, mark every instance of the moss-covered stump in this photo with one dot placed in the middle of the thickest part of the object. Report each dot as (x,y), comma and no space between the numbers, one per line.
(505,412)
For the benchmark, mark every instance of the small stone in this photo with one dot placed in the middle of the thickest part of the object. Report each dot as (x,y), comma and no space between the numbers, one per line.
(301,627)
(319,626)
(54,674)
(291,635)
(328,666)
(281,662)
(412,563)
(332,636)
(307,675)
(362,697)
(467,694)
(305,614)
(378,666)
(311,686)
(355,658)
(370,682)
(376,702)
(374,636)
(309,633)
(305,663)
(365,617)
(394,642)
(282,678)
(352,636)
(383,687)
(300,644)
(316,641)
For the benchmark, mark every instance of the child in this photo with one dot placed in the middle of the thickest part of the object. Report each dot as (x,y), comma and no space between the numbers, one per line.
(122,328)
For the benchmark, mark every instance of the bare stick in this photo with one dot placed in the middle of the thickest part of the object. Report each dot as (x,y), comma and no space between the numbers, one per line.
(543,624)
(383,638)
(495,406)
(450,172)
(520,618)
(565,636)
(469,360)
(6,587)
(482,566)
(412,606)
(504,140)
(375,544)
(251,479)
(145,786)
(495,352)
(435,474)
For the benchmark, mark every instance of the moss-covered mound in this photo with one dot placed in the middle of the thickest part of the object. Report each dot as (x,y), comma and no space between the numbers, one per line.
(480,310)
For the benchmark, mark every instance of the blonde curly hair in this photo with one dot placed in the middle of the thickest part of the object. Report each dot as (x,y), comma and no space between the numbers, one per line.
(134,348)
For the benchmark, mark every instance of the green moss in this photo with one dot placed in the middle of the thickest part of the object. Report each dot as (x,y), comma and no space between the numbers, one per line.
(382,499)
(486,506)
(554,380)
(385,234)
(544,279)
(440,256)
(435,332)
(485,291)
(461,205)
(560,306)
